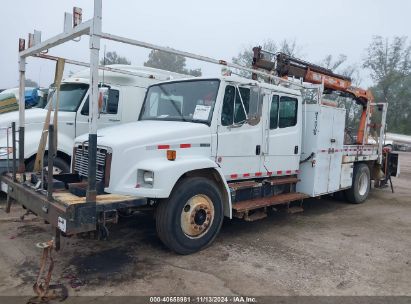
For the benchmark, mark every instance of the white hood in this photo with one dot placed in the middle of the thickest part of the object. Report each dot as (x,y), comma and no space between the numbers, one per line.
(148,132)
(33,116)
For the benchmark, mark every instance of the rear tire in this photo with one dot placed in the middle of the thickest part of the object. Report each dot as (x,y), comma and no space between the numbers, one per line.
(361,184)
(190,219)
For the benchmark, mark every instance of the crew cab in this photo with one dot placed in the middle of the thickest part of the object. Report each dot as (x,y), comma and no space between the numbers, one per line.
(193,138)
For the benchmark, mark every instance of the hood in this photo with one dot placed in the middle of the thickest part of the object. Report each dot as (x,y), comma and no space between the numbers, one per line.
(33,116)
(148,132)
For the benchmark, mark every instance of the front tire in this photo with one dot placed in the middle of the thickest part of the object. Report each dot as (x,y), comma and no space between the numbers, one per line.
(59,165)
(360,189)
(190,219)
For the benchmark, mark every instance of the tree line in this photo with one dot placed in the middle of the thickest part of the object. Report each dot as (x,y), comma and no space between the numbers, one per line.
(388,62)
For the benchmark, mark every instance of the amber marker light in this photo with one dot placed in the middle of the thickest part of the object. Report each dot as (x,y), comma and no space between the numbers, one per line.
(171,154)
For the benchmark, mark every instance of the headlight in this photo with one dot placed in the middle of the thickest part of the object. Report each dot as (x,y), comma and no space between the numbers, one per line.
(4,151)
(148,177)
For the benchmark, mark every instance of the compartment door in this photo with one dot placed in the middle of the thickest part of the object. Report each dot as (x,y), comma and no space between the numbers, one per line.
(323,156)
(336,143)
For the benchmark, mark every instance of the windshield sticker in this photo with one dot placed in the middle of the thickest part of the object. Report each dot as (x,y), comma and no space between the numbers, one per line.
(201,112)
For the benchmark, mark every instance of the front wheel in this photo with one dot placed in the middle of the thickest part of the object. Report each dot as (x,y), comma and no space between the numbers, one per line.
(59,165)
(192,217)
(361,184)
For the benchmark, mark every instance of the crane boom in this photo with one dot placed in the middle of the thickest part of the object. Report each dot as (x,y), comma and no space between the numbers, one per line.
(287,66)
(284,65)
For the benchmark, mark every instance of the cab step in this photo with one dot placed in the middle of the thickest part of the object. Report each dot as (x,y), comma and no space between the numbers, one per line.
(234,186)
(282,180)
(243,185)
(257,203)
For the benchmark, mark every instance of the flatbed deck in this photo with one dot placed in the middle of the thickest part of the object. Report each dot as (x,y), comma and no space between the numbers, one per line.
(66,211)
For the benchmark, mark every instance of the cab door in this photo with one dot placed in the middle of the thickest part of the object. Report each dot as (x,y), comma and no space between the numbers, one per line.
(282,133)
(110,111)
(238,141)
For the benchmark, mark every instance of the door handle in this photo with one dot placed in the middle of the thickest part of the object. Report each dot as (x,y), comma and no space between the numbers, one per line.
(296,150)
(70,123)
(114,120)
(257,150)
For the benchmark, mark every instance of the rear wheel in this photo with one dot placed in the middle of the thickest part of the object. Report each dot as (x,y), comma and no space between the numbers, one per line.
(192,217)
(360,189)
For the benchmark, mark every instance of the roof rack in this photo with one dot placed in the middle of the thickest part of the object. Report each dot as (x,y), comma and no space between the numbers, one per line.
(73,30)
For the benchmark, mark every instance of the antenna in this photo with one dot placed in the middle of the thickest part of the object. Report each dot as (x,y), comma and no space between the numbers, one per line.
(104,60)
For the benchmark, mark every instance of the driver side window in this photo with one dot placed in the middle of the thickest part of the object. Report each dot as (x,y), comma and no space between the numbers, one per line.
(110,103)
(233,109)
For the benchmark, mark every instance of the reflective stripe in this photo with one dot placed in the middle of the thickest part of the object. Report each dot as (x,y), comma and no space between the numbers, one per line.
(177,146)
(160,147)
(261,174)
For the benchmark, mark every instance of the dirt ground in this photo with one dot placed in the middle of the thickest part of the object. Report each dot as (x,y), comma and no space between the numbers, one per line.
(332,248)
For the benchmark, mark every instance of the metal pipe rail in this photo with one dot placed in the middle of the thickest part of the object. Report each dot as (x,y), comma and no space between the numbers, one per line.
(87,65)
(93,28)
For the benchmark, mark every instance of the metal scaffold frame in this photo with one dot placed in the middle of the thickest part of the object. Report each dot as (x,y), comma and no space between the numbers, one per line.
(93,28)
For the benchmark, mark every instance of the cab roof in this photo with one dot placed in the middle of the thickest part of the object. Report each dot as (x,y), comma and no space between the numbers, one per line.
(241,81)
(141,73)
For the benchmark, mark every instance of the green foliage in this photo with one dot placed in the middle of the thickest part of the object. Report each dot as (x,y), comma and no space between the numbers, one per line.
(113,58)
(390,67)
(170,62)
(245,56)
(31,83)
(353,111)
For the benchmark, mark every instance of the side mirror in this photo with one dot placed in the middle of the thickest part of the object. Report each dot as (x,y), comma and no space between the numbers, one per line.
(256,101)
(102,99)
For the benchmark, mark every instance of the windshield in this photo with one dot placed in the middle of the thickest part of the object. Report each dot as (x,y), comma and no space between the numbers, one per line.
(191,101)
(71,95)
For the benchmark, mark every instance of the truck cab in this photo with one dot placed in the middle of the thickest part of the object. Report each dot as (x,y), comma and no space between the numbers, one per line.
(194,140)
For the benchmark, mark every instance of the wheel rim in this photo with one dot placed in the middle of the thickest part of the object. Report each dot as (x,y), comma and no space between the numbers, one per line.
(56,170)
(363,183)
(197,216)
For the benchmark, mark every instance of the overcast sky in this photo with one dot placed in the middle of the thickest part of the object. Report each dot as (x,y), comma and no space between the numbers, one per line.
(215,28)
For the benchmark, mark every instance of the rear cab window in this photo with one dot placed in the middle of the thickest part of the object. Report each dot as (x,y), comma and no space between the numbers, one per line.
(287,112)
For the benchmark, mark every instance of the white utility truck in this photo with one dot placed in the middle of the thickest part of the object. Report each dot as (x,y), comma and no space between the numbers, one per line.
(123,96)
(206,148)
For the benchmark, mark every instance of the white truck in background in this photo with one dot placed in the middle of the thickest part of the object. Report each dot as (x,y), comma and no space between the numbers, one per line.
(123,96)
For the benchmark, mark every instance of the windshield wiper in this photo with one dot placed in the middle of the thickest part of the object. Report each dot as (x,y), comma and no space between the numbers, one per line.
(199,121)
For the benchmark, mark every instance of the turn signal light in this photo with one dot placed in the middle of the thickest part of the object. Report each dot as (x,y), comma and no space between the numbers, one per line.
(171,154)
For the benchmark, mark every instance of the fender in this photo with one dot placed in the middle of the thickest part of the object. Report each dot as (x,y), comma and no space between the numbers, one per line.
(166,175)
(32,138)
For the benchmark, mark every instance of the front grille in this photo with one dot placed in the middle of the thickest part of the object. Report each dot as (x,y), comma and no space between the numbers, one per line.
(81,162)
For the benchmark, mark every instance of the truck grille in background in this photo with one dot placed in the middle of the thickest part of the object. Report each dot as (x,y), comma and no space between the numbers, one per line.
(81,162)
